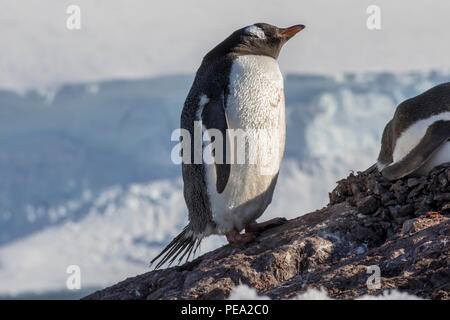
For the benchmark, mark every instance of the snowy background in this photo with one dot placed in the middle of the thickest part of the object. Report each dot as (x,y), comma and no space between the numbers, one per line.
(86,118)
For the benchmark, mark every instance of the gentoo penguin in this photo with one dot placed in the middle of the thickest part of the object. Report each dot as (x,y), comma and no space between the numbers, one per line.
(238,88)
(417,138)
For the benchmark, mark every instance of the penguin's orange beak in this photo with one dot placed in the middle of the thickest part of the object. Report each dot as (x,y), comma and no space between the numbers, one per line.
(291,31)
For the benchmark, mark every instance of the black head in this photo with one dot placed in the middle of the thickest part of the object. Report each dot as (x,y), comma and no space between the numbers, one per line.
(257,39)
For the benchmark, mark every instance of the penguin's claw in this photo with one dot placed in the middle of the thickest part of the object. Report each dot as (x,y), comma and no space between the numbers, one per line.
(263,226)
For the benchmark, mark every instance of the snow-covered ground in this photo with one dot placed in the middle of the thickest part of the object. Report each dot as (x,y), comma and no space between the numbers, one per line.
(86,177)
(243,292)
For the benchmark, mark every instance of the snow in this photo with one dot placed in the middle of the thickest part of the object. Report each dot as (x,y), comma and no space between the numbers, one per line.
(86,176)
(123,229)
(243,292)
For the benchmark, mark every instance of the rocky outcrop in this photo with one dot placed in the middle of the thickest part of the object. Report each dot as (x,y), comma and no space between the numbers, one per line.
(402,228)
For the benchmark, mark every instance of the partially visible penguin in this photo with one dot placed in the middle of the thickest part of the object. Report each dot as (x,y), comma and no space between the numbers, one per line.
(417,138)
(238,86)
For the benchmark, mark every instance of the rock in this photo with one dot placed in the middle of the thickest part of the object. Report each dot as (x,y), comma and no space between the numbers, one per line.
(387,197)
(408,226)
(399,189)
(415,225)
(406,210)
(412,182)
(442,197)
(446,208)
(422,210)
(318,249)
(378,188)
(443,179)
(367,205)
(355,189)
(331,248)
(393,210)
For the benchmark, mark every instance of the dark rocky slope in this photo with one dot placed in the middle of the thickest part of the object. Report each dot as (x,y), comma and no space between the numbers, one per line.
(401,227)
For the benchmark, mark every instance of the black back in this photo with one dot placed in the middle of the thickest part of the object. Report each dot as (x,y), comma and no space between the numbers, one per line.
(433,101)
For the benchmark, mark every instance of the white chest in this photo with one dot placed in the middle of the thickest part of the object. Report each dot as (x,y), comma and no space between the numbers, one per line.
(255,105)
(412,135)
(256,94)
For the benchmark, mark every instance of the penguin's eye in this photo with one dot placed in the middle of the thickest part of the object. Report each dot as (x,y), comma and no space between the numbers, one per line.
(255,31)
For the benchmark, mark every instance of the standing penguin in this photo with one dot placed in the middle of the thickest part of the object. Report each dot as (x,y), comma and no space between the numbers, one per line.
(417,138)
(238,86)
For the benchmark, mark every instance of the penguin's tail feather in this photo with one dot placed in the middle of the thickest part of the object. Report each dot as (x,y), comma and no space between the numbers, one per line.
(371,169)
(185,243)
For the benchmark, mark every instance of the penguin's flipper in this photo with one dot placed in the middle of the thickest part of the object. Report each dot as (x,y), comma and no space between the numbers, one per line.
(214,117)
(437,134)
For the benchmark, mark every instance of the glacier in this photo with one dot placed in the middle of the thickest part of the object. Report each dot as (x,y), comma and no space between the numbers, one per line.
(86,177)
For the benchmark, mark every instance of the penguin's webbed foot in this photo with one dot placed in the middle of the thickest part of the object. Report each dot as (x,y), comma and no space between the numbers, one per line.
(263,226)
(239,240)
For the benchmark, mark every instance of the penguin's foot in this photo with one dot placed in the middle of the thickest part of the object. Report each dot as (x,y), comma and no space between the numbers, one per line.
(239,240)
(263,226)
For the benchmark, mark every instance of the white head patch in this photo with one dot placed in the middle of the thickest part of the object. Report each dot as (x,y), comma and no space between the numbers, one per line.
(255,31)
